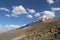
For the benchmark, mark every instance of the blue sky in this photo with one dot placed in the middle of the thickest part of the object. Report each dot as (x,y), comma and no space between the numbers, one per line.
(16,13)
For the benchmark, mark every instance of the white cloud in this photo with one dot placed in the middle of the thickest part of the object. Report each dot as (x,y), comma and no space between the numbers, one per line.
(54,9)
(4,28)
(11,27)
(4,9)
(29,16)
(14,26)
(13,15)
(7,15)
(31,11)
(17,10)
(45,17)
(49,13)
(37,14)
(24,25)
(50,1)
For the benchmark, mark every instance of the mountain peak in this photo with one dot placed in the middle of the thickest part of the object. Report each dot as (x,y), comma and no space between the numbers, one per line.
(44,18)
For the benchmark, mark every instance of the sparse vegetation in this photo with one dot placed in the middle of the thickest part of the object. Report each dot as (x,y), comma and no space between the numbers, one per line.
(39,31)
(50,32)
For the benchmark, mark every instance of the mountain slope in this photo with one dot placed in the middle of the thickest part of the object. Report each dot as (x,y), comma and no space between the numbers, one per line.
(49,30)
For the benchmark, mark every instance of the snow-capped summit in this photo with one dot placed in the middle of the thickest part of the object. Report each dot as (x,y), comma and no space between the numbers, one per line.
(46,18)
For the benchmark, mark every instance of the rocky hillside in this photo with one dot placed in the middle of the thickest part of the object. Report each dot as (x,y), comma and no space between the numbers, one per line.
(49,30)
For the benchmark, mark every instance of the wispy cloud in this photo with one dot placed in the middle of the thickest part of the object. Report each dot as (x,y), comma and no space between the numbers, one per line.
(12,26)
(4,9)
(37,14)
(29,16)
(49,13)
(7,15)
(7,27)
(55,9)
(31,11)
(4,28)
(50,1)
(14,15)
(19,10)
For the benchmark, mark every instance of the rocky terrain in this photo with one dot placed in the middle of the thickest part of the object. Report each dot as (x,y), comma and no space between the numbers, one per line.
(48,30)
